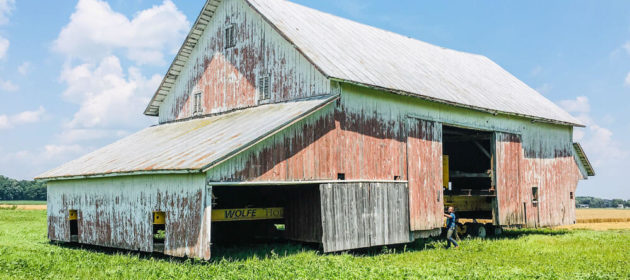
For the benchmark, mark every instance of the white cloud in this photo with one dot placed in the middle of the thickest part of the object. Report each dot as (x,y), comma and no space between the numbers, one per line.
(578,105)
(22,118)
(627,81)
(53,151)
(4,46)
(626,46)
(6,6)
(74,135)
(24,68)
(599,142)
(108,97)
(96,31)
(29,116)
(4,122)
(8,85)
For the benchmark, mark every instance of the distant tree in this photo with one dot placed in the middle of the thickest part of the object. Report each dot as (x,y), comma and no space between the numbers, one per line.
(11,189)
(617,202)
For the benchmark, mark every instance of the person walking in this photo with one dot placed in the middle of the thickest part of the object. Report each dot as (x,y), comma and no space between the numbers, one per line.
(451,227)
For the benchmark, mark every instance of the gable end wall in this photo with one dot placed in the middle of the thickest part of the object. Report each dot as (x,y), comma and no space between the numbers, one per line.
(228,78)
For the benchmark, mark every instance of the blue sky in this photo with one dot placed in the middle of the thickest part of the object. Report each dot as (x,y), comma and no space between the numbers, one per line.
(76,75)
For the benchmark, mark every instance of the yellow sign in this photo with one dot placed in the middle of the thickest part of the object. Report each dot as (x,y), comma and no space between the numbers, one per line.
(159,218)
(72,216)
(445,176)
(247,214)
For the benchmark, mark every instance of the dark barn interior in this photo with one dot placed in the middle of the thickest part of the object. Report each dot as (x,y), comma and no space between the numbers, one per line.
(299,204)
(468,168)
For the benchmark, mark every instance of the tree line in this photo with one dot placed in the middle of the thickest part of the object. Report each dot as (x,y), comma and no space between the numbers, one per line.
(594,202)
(11,189)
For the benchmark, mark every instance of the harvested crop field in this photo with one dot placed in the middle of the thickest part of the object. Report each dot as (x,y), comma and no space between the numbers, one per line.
(23,204)
(25,253)
(602,215)
(601,219)
(23,207)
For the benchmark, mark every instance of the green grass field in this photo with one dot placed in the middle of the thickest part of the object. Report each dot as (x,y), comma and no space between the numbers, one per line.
(25,253)
(22,202)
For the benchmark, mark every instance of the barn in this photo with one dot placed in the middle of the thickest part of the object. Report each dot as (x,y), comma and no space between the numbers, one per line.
(350,136)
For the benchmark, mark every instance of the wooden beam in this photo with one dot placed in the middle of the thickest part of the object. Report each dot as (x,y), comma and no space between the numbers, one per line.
(485,152)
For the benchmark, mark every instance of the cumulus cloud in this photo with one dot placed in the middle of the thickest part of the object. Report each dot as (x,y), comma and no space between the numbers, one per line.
(108,97)
(53,151)
(22,118)
(578,105)
(598,141)
(6,85)
(6,6)
(96,31)
(4,47)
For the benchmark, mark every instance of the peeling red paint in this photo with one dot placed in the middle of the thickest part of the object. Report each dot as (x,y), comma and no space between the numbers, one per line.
(227,78)
(424,151)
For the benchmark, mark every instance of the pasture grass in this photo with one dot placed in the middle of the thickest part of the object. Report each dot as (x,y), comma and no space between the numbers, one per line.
(22,202)
(25,253)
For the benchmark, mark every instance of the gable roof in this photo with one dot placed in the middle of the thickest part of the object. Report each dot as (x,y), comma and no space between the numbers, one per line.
(188,146)
(352,52)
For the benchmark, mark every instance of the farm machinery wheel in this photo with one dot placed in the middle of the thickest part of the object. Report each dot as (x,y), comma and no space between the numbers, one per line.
(476,230)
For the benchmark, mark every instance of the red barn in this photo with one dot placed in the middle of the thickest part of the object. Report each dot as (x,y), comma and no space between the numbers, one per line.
(351,136)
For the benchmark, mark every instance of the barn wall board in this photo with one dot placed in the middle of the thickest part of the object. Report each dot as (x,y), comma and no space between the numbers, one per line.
(117,212)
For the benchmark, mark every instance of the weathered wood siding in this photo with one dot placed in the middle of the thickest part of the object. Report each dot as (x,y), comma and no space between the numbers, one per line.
(117,212)
(359,215)
(228,78)
(548,164)
(364,137)
(330,142)
(509,189)
(424,157)
(303,219)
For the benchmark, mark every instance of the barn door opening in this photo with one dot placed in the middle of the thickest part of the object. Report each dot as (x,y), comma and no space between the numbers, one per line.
(159,231)
(468,174)
(424,169)
(73,219)
(252,214)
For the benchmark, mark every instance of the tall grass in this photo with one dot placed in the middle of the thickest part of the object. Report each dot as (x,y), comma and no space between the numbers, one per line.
(25,253)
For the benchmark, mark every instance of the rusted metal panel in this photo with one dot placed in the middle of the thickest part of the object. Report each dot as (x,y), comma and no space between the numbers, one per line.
(509,188)
(117,212)
(363,214)
(424,160)
(228,78)
(188,146)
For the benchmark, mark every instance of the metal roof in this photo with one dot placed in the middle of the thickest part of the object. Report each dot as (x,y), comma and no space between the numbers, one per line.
(188,146)
(581,156)
(351,52)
